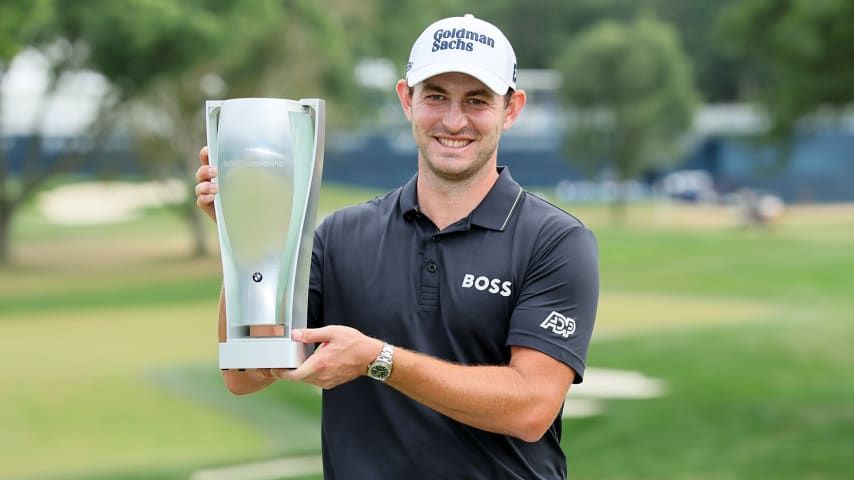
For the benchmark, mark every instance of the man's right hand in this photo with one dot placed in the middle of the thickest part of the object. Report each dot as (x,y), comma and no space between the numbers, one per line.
(206,189)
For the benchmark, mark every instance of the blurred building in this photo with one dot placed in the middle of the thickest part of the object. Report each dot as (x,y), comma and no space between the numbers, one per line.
(816,166)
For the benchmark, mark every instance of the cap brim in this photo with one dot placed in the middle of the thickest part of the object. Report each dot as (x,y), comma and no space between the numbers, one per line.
(486,77)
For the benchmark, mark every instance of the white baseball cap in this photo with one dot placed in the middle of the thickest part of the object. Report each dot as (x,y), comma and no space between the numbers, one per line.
(466,45)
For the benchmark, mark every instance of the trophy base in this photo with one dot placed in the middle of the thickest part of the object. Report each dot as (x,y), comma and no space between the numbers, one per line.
(263,353)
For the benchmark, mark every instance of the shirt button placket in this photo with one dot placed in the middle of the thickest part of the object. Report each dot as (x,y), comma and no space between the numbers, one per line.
(430,278)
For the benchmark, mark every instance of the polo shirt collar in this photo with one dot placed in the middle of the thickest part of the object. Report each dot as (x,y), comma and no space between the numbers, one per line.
(409,198)
(493,213)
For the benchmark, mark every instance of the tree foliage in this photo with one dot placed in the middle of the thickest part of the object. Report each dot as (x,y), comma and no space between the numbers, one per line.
(134,42)
(630,92)
(136,45)
(801,52)
(17,20)
(392,25)
(300,53)
(540,28)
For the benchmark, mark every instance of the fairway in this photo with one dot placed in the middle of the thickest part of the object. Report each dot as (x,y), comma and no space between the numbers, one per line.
(83,391)
(109,352)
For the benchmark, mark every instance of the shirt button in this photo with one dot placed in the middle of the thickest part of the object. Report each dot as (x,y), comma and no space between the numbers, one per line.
(432,267)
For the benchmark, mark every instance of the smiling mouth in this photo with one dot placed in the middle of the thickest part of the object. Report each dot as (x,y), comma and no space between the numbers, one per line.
(453,143)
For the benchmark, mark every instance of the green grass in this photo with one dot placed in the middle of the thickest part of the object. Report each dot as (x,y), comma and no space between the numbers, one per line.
(761,397)
(734,263)
(109,354)
(763,400)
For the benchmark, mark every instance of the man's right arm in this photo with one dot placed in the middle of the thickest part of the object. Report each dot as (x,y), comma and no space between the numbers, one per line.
(241,381)
(238,381)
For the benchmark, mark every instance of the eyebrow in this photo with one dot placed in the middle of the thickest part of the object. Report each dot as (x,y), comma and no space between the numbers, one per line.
(480,92)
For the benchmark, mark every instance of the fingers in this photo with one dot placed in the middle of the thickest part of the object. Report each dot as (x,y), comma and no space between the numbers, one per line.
(206,189)
(203,156)
(293,374)
(307,368)
(316,371)
(206,173)
(312,335)
(342,355)
(205,194)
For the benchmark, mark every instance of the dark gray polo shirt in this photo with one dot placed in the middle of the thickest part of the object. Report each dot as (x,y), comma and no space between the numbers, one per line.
(516,271)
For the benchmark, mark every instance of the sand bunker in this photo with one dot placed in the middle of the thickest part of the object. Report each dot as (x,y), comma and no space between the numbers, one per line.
(92,203)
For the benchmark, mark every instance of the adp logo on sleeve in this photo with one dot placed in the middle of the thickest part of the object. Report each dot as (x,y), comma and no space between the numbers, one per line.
(559,324)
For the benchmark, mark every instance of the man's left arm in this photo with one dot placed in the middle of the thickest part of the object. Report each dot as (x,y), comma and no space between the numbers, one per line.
(521,399)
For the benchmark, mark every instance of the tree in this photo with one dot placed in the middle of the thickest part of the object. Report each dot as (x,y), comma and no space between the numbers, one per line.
(18,20)
(392,25)
(301,53)
(136,45)
(801,54)
(156,55)
(631,97)
(539,28)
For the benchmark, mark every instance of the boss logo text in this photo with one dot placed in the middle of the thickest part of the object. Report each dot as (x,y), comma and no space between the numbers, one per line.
(491,285)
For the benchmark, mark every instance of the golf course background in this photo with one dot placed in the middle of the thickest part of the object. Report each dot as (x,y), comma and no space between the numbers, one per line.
(109,351)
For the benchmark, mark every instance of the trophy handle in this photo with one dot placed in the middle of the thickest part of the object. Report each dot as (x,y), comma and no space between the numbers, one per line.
(212,109)
(316,109)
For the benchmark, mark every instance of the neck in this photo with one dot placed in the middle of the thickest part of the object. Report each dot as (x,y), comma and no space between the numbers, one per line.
(445,202)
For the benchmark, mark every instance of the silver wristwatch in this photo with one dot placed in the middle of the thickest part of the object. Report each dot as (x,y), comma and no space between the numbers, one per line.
(380,369)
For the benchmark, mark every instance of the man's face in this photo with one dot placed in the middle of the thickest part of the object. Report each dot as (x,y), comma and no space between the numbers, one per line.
(457,122)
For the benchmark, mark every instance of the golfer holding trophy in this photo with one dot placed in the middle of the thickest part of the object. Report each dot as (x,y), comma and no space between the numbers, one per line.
(453,313)
(268,154)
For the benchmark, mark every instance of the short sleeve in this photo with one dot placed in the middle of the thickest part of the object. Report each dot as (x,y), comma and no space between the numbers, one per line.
(556,306)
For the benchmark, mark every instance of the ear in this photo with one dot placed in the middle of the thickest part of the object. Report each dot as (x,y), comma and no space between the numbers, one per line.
(405,98)
(514,108)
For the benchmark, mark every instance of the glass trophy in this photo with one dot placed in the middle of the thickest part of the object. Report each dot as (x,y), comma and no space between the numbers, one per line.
(269,156)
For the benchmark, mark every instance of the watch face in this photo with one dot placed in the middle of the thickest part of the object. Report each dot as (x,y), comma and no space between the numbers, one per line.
(379,370)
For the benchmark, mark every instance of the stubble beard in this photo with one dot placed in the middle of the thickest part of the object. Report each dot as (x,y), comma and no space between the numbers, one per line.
(481,159)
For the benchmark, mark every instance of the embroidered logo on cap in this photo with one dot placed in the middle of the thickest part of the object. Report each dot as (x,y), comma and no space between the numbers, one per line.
(455,39)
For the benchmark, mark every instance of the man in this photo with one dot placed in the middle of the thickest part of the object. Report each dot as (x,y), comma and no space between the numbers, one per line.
(454,313)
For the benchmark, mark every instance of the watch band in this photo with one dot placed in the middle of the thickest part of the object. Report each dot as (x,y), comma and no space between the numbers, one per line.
(380,369)
(387,353)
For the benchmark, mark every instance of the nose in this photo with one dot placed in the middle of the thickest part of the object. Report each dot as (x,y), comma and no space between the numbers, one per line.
(455,118)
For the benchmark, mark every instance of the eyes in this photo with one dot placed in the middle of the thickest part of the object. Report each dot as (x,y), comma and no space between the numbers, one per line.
(438,98)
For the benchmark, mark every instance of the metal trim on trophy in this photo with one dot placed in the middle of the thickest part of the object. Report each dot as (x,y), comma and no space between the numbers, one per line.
(269,156)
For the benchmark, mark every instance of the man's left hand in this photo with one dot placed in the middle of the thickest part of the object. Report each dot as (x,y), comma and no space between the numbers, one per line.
(343,355)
